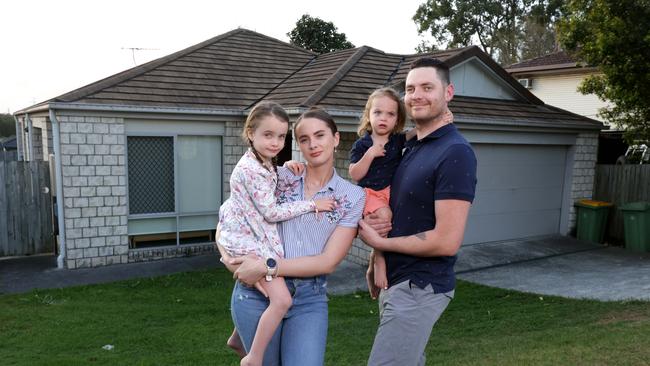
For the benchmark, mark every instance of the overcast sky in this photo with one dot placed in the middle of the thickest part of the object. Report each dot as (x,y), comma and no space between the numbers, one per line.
(52,47)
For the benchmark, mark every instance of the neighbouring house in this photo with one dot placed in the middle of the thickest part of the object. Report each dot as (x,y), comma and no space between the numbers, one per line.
(554,78)
(8,148)
(144,156)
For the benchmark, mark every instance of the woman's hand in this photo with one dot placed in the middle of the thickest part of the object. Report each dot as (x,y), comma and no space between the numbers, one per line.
(251,269)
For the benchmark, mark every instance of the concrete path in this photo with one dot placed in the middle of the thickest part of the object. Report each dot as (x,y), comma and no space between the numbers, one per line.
(558,266)
(550,266)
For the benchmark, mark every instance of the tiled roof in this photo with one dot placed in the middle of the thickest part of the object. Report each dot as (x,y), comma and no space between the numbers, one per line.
(552,59)
(8,143)
(342,79)
(233,70)
(471,108)
(239,68)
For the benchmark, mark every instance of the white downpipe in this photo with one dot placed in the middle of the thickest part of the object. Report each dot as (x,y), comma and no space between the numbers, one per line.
(19,140)
(59,187)
(30,136)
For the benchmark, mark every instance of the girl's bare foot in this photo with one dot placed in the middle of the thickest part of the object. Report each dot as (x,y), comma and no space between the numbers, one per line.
(235,344)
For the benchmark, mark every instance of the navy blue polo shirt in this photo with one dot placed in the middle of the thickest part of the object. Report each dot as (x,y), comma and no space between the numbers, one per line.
(380,173)
(440,166)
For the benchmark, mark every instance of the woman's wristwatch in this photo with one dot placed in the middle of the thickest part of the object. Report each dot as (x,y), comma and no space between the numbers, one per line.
(271,269)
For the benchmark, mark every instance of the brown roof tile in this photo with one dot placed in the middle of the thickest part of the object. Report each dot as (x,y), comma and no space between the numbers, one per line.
(242,67)
(234,70)
(552,59)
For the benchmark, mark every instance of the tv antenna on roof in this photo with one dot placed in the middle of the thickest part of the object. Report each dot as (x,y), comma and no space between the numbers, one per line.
(133,49)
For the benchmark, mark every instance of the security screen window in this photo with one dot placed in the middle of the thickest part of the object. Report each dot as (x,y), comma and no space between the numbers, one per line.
(174,189)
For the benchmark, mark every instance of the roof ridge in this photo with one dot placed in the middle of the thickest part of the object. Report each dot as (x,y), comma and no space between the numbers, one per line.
(335,77)
(395,70)
(548,55)
(125,75)
(281,41)
(282,82)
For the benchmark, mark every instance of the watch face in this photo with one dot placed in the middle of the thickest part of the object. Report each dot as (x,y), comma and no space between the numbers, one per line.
(271,263)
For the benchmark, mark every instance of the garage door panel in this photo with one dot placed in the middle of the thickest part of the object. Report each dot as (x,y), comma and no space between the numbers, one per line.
(519,192)
(495,227)
(501,176)
(533,154)
(513,201)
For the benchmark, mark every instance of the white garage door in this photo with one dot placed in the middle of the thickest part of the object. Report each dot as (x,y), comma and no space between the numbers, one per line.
(519,192)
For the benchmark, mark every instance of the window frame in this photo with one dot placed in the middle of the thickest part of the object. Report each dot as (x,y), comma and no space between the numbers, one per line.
(176,214)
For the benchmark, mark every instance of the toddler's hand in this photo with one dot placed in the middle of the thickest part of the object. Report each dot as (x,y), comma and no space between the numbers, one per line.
(376,150)
(325,204)
(296,167)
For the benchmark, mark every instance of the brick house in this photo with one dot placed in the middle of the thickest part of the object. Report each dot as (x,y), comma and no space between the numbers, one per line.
(144,157)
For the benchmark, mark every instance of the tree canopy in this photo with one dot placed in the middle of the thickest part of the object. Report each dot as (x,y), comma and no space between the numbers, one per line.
(317,35)
(506,30)
(614,35)
(7,125)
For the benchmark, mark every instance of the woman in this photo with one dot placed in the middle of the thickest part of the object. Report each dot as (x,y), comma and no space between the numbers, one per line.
(314,245)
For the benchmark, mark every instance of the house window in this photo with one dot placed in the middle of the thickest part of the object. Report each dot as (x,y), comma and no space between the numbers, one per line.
(175,189)
(151,174)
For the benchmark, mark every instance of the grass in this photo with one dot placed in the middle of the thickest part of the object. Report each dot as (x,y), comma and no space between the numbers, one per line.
(184,319)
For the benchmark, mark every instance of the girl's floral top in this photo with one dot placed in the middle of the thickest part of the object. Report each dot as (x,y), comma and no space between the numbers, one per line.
(248,218)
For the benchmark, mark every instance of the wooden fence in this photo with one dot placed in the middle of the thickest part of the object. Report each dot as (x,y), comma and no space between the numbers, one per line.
(621,184)
(25,208)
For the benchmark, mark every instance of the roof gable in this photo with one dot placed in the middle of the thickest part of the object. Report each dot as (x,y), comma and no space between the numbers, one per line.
(233,70)
(473,78)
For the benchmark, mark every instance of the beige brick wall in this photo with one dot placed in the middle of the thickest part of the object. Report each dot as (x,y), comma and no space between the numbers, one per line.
(360,252)
(94,190)
(233,149)
(584,171)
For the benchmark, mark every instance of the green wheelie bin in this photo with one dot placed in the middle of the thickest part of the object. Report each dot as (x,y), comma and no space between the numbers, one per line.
(592,220)
(636,225)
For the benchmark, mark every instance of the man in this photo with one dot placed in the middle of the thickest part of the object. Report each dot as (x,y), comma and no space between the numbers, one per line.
(431,194)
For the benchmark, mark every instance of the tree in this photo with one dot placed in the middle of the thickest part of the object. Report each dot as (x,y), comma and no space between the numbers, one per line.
(7,125)
(318,35)
(499,27)
(539,36)
(614,35)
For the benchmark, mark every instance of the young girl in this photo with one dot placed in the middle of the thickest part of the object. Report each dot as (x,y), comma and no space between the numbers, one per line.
(247,219)
(375,157)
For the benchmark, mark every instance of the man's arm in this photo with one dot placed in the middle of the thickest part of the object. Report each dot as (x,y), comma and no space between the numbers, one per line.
(444,240)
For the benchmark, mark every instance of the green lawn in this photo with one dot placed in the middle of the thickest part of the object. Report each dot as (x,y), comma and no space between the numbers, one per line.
(184,319)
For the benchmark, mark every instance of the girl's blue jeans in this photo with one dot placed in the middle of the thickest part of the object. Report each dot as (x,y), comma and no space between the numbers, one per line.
(301,337)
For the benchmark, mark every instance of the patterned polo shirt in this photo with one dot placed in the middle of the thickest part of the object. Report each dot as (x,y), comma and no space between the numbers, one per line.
(307,234)
(439,166)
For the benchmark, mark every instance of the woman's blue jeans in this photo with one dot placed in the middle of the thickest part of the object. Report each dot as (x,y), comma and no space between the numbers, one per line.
(301,337)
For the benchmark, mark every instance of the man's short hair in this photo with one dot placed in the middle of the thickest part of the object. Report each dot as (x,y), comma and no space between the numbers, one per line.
(441,68)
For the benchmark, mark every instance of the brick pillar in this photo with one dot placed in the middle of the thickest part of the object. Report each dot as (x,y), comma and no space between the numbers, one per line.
(584,170)
(94,190)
